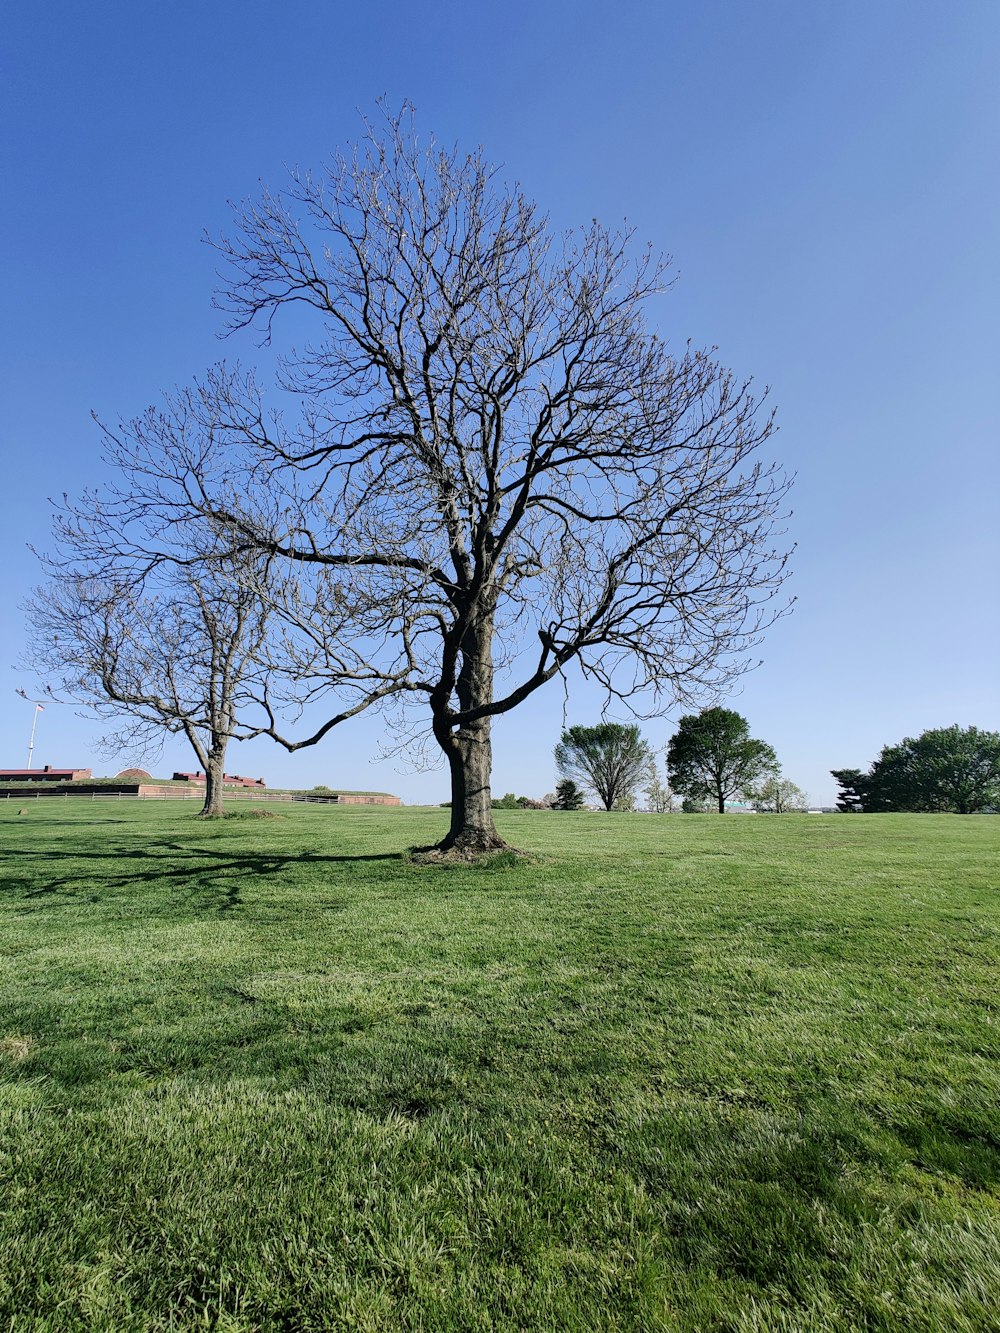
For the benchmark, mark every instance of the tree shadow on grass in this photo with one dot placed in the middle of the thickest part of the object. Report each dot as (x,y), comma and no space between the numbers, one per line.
(79,824)
(155,864)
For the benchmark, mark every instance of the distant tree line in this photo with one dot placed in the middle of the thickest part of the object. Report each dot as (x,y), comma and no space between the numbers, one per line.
(711,759)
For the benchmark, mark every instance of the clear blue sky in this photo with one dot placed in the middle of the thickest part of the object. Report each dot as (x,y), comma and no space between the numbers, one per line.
(825,176)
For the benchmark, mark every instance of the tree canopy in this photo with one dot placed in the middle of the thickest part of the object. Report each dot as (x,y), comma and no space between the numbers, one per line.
(712,756)
(568,795)
(610,759)
(850,782)
(946,769)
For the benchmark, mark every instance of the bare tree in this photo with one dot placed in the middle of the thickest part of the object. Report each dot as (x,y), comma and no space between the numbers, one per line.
(498,470)
(167,649)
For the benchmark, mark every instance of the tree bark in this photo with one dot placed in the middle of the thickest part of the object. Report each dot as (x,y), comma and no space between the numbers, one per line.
(470,751)
(215,764)
(472,830)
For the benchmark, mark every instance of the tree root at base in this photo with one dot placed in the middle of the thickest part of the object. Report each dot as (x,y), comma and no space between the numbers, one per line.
(467,852)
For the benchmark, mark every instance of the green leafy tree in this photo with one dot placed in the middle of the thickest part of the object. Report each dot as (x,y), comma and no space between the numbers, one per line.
(778,796)
(610,760)
(568,796)
(659,797)
(712,756)
(689,806)
(850,781)
(947,769)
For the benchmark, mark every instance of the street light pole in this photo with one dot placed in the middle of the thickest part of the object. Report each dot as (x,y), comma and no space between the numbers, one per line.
(31,742)
(39,708)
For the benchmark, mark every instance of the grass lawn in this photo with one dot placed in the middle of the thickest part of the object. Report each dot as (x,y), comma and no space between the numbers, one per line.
(691,1073)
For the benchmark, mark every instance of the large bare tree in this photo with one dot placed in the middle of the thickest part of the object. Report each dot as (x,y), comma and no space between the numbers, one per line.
(498,470)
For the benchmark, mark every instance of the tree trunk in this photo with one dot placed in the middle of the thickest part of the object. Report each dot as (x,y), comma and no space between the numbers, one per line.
(722,804)
(214,771)
(470,752)
(472,830)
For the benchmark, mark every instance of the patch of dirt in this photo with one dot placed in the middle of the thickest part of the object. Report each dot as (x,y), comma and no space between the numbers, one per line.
(252,814)
(17,1048)
(495,859)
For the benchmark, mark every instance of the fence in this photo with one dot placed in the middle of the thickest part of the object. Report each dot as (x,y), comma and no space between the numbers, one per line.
(163,795)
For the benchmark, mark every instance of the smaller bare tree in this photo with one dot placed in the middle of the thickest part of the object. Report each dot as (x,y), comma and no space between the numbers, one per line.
(172,650)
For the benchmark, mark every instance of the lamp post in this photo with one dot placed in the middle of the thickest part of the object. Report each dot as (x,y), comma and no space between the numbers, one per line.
(39,708)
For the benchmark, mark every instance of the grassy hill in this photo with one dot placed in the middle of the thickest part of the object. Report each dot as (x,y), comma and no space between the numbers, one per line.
(685,1073)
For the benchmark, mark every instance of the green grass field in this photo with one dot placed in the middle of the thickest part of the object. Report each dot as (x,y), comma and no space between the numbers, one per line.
(691,1073)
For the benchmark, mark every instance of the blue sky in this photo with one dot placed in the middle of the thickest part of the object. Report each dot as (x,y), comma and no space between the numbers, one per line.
(824,176)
